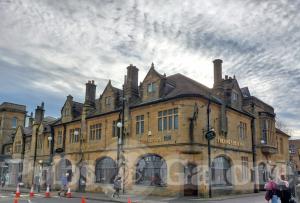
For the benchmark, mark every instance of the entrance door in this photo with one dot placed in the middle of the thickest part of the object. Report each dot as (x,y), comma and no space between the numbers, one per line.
(263,175)
(82,178)
(190,180)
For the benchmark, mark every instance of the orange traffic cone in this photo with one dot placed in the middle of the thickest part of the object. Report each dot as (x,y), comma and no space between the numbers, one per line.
(31,194)
(69,194)
(47,193)
(83,200)
(16,200)
(129,200)
(18,193)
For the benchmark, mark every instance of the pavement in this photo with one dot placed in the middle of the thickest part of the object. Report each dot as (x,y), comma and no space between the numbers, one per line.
(7,196)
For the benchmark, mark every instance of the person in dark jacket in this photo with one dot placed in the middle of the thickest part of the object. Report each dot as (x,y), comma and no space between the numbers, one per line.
(284,191)
(117,186)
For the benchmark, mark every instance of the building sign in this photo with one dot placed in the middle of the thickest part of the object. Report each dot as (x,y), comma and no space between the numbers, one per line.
(230,142)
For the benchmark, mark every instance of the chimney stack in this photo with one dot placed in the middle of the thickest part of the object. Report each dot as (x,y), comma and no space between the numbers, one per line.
(30,120)
(131,82)
(39,113)
(217,71)
(90,93)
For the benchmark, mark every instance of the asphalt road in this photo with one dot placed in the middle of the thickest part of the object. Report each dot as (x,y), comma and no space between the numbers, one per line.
(9,198)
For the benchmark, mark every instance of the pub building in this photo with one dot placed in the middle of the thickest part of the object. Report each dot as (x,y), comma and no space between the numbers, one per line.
(160,134)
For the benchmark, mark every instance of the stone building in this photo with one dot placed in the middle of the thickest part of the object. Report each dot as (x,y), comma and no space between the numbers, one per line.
(11,116)
(160,127)
(294,147)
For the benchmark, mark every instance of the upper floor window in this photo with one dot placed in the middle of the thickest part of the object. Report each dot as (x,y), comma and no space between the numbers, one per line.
(66,111)
(234,96)
(281,145)
(265,131)
(59,137)
(107,100)
(74,135)
(168,119)
(8,150)
(140,124)
(243,130)
(151,87)
(14,122)
(95,131)
(115,130)
(18,147)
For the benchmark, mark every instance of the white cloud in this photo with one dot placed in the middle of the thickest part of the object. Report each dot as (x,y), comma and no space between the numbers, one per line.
(58,45)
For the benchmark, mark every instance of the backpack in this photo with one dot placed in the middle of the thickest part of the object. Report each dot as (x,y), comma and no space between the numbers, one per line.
(268,195)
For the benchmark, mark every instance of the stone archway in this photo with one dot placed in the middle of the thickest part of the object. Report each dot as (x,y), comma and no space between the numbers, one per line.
(190,180)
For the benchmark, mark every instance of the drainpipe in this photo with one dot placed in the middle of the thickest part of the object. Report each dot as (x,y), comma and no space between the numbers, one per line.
(253,135)
(34,157)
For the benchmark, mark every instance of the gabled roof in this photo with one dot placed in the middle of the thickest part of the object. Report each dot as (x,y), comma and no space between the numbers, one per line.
(281,132)
(77,108)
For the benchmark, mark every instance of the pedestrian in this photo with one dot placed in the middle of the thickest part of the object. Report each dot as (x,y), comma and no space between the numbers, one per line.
(3,180)
(271,191)
(117,186)
(284,191)
(37,183)
(64,184)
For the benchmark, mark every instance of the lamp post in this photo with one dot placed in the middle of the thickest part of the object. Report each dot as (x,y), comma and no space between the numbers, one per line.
(210,134)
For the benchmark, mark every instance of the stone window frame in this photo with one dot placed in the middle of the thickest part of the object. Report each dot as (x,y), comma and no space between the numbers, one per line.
(151,87)
(245,167)
(72,137)
(59,137)
(140,124)
(14,122)
(95,131)
(116,132)
(168,120)
(243,130)
(105,170)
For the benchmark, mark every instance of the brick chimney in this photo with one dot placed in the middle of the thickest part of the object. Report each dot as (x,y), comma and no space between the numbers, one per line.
(217,71)
(90,94)
(131,82)
(39,113)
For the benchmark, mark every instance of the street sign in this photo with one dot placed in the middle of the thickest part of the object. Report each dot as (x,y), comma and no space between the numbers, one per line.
(210,135)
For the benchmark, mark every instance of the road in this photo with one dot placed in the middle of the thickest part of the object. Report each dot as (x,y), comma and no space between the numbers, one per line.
(9,198)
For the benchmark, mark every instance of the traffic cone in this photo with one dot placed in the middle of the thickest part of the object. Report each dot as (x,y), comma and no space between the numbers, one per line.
(83,200)
(129,200)
(16,200)
(18,193)
(31,194)
(69,194)
(47,193)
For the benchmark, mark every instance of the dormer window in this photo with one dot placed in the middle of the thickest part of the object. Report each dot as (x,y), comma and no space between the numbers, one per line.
(107,100)
(151,87)
(14,122)
(234,96)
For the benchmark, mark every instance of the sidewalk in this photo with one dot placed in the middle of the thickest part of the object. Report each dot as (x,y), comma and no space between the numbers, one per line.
(138,199)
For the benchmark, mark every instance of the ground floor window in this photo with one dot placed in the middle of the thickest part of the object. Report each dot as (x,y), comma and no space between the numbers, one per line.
(151,170)
(105,170)
(64,170)
(221,173)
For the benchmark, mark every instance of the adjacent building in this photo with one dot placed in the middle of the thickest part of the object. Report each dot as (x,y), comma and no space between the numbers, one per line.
(11,116)
(154,134)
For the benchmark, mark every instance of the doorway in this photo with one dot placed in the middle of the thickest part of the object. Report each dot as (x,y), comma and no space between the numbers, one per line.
(190,180)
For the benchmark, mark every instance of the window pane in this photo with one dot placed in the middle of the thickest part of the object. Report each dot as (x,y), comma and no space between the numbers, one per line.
(160,124)
(170,122)
(176,122)
(165,123)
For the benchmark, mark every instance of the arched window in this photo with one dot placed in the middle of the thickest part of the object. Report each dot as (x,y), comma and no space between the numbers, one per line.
(151,170)
(105,170)
(14,122)
(63,168)
(221,173)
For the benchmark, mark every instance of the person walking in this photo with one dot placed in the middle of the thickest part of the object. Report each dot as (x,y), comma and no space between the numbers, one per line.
(117,186)
(37,183)
(64,184)
(284,191)
(271,191)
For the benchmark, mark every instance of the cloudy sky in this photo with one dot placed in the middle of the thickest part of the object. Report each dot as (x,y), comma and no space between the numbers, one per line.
(49,49)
